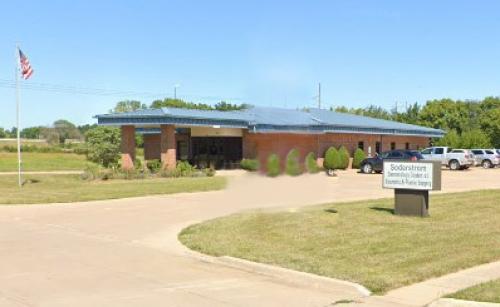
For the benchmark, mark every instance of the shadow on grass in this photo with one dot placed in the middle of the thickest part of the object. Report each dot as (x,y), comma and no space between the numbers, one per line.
(388,210)
(330,210)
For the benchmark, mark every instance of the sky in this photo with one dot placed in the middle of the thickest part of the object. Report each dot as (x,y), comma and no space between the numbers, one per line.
(88,55)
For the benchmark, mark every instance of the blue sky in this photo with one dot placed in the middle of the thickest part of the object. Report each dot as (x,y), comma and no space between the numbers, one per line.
(261,52)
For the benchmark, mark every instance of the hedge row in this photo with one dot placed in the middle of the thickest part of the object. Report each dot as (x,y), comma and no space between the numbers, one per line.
(334,159)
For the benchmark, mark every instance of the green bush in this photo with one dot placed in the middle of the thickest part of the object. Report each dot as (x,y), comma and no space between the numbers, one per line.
(311,164)
(292,166)
(251,165)
(332,159)
(344,158)
(154,166)
(359,156)
(273,165)
(182,169)
(103,145)
(209,172)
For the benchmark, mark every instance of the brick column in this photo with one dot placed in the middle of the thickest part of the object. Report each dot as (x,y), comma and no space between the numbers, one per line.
(168,147)
(128,147)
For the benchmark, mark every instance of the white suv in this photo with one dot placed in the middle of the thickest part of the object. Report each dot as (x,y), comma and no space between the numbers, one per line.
(487,158)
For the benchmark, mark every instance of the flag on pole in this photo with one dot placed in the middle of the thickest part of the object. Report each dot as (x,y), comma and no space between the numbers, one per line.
(26,70)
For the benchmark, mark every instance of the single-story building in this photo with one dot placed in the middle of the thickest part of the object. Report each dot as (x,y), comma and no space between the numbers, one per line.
(221,139)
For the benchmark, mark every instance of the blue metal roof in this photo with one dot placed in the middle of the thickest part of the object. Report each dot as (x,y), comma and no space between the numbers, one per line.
(269,120)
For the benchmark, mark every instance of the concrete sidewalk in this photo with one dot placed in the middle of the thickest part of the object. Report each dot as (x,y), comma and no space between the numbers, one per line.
(426,292)
(126,252)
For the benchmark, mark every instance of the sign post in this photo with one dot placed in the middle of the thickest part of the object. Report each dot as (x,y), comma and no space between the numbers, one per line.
(412,181)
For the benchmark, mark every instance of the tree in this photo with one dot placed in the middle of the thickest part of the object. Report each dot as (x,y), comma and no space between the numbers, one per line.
(224,106)
(66,130)
(103,145)
(179,103)
(50,135)
(3,134)
(31,133)
(475,139)
(332,159)
(128,106)
(489,119)
(84,128)
(292,166)
(311,164)
(273,165)
(451,139)
(359,156)
(344,157)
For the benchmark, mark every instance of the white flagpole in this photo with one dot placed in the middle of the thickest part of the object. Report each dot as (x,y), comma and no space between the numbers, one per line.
(18,110)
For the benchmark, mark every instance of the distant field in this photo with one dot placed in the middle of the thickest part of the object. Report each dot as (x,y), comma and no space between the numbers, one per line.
(13,142)
(33,161)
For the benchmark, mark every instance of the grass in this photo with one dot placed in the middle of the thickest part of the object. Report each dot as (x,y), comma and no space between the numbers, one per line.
(362,241)
(70,188)
(34,161)
(486,292)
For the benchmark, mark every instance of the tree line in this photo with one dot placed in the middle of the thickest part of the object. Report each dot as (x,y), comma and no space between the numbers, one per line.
(468,123)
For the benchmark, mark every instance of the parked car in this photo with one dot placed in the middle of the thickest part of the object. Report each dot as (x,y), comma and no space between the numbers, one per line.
(487,158)
(376,164)
(455,159)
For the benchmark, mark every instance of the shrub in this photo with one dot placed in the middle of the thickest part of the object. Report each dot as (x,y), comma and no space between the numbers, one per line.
(182,169)
(154,166)
(273,165)
(311,164)
(359,156)
(332,159)
(344,157)
(292,166)
(251,165)
(95,172)
(103,145)
(209,172)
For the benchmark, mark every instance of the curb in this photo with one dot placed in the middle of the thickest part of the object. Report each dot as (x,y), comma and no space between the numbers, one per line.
(451,302)
(288,275)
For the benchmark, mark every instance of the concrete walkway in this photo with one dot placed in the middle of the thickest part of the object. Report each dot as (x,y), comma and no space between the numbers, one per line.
(426,292)
(126,252)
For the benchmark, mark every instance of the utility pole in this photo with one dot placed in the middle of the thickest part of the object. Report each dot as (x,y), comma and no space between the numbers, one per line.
(319,95)
(175,90)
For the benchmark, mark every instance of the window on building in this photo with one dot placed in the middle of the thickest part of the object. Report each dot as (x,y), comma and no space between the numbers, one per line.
(378,147)
(407,146)
(393,146)
(361,145)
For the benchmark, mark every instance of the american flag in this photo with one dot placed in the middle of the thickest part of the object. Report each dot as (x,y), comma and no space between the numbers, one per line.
(26,69)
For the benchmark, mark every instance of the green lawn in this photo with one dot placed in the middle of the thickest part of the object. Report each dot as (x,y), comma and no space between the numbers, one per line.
(363,242)
(34,161)
(487,292)
(70,188)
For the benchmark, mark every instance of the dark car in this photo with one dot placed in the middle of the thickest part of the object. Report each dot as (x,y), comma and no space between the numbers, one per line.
(376,164)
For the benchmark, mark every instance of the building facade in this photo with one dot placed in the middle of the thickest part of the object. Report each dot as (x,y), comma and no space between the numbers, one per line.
(221,139)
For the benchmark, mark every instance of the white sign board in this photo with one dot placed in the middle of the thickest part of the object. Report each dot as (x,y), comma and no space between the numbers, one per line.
(407,175)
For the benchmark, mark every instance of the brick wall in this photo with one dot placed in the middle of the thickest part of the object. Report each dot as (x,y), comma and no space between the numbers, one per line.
(152,148)
(256,145)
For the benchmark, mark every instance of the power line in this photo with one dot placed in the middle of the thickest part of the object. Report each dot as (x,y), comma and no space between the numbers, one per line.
(67,89)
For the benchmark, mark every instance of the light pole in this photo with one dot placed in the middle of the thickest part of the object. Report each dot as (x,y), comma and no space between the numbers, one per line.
(175,90)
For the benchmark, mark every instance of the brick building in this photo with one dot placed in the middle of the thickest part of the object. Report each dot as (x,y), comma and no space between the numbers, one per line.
(221,139)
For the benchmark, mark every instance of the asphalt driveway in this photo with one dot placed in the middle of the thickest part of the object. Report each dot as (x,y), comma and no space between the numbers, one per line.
(126,253)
